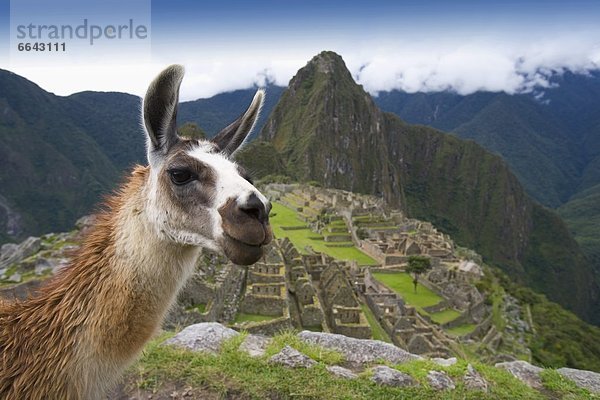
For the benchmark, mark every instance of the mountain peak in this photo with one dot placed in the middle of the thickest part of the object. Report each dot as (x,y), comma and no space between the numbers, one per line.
(327,62)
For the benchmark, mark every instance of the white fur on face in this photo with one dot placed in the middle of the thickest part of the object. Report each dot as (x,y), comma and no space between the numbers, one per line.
(161,221)
(229,183)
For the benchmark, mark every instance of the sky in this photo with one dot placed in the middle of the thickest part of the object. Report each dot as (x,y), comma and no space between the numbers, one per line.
(460,45)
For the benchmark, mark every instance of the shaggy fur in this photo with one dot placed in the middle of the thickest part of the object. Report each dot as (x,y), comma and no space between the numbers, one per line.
(74,337)
(78,333)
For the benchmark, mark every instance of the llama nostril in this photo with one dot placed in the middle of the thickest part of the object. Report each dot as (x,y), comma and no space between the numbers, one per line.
(255,208)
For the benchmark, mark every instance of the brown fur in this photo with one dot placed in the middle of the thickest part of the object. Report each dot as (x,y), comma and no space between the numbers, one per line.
(73,338)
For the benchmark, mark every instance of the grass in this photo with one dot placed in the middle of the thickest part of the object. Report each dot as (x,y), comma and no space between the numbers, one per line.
(567,389)
(243,317)
(461,330)
(233,373)
(378,332)
(283,216)
(444,316)
(402,284)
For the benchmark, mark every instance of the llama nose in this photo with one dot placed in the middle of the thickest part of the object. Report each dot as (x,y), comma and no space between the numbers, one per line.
(256,209)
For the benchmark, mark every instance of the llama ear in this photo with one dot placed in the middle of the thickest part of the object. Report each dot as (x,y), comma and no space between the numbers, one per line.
(160,110)
(231,138)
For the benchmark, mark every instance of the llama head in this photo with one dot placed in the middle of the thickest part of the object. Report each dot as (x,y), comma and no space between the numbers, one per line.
(197,196)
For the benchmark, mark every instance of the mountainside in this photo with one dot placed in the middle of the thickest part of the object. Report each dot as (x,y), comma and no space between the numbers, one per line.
(327,129)
(51,170)
(550,139)
(214,113)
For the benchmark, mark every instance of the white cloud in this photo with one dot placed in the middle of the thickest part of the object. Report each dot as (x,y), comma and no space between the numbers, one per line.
(463,64)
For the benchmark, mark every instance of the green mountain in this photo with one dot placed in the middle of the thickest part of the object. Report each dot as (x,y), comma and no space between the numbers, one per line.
(327,129)
(549,138)
(214,113)
(51,170)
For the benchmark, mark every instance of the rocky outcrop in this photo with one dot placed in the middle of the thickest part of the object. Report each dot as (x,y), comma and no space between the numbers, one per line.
(255,345)
(292,358)
(474,381)
(359,351)
(205,337)
(584,379)
(341,372)
(439,380)
(525,372)
(384,375)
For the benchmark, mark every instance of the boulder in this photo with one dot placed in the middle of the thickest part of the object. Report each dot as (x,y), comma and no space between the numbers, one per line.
(359,351)
(440,380)
(525,372)
(255,345)
(207,337)
(474,381)
(292,358)
(11,253)
(444,362)
(16,278)
(384,375)
(584,379)
(341,372)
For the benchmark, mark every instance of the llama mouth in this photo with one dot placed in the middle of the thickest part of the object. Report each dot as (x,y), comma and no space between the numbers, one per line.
(240,252)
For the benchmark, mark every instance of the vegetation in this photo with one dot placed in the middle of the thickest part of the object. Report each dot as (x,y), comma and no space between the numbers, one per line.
(417,265)
(378,332)
(282,217)
(233,373)
(192,131)
(243,317)
(560,339)
(402,283)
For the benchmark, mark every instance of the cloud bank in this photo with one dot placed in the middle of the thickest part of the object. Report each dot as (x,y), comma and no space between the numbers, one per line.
(463,65)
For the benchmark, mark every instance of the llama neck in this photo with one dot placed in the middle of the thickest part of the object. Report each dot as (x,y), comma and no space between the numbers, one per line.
(127,278)
(144,273)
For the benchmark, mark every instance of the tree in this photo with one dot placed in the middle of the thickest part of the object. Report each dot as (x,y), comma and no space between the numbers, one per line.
(416,266)
(192,130)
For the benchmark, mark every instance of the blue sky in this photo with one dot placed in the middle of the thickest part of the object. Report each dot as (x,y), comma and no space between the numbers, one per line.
(409,45)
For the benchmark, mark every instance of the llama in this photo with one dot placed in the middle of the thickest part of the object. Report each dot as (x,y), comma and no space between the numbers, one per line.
(76,335)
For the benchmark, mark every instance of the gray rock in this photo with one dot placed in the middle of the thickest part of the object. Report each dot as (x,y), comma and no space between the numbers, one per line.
(255,345)
(292,358)
(359,351)
(584,379)
(384,375)
(440,380)
(208,337)
(525,372)
(43,265)
(16,278)
(444,362)
(11,253)
(341,372)
(474,381)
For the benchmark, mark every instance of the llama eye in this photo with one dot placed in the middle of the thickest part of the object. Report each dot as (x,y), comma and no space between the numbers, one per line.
(181,176)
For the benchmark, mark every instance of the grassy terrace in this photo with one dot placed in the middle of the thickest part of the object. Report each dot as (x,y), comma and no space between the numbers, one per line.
(282,216)
(243,317)
(402,284)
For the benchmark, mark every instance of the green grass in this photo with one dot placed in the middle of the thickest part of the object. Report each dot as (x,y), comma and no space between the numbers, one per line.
(283,216)
(378,332)
(243,317)
(201,308)
(233,373)
(444,316)
(401,283)
(461,330)
(567,389)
